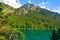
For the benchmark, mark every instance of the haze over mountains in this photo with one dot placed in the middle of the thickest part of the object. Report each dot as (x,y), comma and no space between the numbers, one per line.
(13,3)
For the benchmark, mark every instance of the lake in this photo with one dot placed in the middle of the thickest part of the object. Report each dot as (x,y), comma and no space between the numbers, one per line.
(37,34)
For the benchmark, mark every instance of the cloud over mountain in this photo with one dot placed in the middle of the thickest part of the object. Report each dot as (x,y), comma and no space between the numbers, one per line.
(57,10)
(43,4)
(13,3)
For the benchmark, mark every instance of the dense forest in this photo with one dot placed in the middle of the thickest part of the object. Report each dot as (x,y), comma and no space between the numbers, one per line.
(27,16)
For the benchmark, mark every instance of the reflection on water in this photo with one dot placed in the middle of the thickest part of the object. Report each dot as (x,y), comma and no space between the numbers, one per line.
(37,34)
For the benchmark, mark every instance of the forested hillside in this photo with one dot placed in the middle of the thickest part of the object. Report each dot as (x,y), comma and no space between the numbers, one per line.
(27,16)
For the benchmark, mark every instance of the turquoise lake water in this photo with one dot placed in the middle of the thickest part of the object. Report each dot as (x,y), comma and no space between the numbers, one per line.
(37,34)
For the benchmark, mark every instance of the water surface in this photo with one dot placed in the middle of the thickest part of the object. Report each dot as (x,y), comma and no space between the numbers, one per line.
(37,34)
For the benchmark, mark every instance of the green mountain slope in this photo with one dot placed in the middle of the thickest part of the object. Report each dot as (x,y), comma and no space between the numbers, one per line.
(37,17)
(8,32)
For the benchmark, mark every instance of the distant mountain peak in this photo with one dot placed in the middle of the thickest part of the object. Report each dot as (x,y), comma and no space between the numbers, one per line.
(29,6)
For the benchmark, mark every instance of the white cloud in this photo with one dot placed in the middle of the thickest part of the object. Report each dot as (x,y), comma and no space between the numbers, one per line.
(29,1)
(12,3)
(57,10)
(43,4)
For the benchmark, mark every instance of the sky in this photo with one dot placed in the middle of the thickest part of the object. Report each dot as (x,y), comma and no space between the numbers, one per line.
(52,5)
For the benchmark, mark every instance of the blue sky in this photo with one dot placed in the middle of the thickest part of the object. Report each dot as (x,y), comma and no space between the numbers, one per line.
(52,5)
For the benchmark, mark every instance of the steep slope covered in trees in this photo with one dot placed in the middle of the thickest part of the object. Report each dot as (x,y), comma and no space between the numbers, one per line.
(28,16)
(8,32)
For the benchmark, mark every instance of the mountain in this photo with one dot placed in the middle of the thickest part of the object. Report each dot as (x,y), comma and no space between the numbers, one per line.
(37,16)
(32,7)
(27,16)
